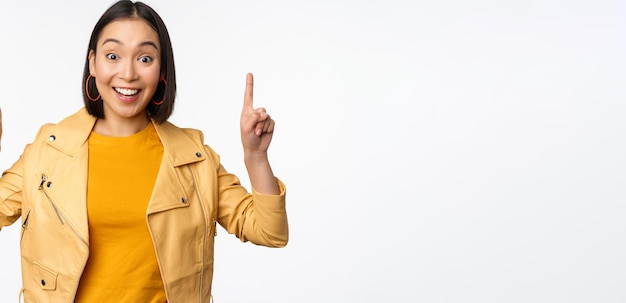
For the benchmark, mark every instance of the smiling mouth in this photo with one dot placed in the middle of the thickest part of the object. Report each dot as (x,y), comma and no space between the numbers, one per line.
(126,91)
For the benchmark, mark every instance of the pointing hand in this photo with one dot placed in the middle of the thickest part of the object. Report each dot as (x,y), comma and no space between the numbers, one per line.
(256,125)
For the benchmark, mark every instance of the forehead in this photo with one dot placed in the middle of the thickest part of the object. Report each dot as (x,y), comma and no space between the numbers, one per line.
(129,32)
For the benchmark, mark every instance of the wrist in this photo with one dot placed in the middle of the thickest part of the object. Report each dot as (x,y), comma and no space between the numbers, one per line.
(255,157)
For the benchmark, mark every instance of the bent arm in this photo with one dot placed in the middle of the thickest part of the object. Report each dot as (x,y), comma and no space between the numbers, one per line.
(258,217)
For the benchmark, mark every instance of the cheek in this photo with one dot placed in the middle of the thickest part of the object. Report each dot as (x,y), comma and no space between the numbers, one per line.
(153,76)
(102,79)
(103,71)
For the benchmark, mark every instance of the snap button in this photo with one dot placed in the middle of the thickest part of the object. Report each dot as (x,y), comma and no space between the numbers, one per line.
(183,199)
(52,138)
(49,184)
(198,154)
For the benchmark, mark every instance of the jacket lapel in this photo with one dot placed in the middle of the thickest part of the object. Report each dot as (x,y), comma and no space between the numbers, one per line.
(173,185)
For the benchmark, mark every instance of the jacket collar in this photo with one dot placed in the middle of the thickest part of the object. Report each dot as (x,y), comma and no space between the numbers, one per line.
(69,135)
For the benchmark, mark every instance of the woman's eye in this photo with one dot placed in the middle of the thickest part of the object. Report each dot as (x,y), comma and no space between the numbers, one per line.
(145,59)
(111,56)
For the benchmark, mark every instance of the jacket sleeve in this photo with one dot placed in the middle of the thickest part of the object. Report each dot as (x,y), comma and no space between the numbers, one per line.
(255,217)
(11,186)
(11,193)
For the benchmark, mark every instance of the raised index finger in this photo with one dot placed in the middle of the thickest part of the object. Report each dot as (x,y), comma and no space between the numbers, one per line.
(247,96)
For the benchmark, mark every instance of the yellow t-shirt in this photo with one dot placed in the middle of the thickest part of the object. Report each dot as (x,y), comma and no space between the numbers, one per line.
(122,265)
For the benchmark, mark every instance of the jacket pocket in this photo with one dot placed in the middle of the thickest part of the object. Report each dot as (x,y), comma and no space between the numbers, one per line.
(46,278)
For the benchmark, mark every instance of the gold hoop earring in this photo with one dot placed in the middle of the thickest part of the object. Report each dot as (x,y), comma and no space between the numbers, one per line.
(87,90)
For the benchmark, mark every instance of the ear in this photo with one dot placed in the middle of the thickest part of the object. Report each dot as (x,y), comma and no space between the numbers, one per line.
(92,62)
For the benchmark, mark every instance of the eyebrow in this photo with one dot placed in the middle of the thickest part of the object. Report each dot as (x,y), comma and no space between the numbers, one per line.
(149,43)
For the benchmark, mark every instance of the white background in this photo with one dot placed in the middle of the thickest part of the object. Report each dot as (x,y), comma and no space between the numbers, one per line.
(434,151)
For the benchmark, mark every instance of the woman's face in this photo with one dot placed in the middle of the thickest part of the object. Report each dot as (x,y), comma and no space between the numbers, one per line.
(126,68)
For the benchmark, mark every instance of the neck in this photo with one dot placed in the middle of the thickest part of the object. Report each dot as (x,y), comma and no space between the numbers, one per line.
(108,127)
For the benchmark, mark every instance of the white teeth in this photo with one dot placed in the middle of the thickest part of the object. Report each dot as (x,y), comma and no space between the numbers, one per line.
(126,91)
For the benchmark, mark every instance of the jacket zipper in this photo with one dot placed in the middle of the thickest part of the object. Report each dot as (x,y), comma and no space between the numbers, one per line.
(56,210)
(25,224)
(44,178)
(195,187)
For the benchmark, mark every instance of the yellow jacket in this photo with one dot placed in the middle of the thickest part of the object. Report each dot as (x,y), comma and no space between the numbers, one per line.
(46,187)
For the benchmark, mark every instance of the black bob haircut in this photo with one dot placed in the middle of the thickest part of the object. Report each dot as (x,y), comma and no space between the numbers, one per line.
(126,9)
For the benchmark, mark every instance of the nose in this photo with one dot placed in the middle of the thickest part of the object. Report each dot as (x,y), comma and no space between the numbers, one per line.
(128,71)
